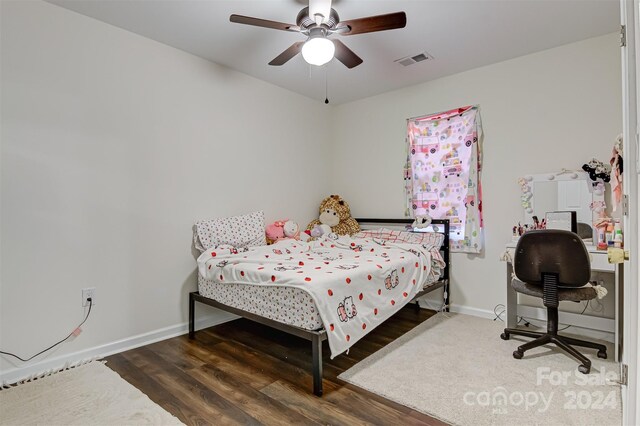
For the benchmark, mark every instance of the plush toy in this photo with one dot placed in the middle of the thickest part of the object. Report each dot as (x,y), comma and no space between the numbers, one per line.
(320,230)
(291,229)
(275,231)
(334,212)
(421,221)
(597,170)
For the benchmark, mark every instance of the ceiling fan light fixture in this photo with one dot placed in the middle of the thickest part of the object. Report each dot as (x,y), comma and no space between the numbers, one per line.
(318,21)
(318,50)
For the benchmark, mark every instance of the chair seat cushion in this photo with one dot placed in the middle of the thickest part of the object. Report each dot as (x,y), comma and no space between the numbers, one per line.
(568,293)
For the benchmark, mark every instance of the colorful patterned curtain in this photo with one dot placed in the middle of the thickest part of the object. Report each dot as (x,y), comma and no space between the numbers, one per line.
(442,174)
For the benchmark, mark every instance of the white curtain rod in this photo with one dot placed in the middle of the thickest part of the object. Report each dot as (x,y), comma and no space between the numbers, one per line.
(441,112)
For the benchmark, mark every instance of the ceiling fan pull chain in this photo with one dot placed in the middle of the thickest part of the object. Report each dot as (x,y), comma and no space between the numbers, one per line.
(326,85)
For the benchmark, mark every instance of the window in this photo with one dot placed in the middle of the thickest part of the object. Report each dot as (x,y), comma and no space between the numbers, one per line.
(442,174)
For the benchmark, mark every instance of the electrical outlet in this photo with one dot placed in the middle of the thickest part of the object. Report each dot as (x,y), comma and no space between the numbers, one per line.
(88,293)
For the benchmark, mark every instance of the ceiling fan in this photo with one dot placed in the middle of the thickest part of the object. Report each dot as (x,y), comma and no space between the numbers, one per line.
(318,21)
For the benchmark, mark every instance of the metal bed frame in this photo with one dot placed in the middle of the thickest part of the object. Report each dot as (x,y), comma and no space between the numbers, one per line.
(318,336)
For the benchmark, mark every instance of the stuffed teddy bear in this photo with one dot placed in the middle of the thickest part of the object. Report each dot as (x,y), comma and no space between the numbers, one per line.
(275,231)
(335,213)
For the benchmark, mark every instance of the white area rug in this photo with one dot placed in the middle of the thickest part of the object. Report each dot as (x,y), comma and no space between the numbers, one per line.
(456,368)
(91,394)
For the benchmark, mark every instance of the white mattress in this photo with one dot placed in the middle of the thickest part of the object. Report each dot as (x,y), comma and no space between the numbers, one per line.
(287,305)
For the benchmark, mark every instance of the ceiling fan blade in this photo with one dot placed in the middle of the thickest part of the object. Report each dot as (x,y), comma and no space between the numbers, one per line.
(291,51)
(320,7)
(265,23)
(346,55)
(390,21)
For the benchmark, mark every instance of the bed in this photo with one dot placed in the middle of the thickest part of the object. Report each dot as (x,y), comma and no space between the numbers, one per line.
(336,289)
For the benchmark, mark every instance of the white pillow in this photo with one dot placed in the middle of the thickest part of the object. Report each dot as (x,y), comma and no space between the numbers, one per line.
(239,231)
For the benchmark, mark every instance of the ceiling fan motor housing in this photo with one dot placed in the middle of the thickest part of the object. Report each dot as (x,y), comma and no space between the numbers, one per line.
(304,21)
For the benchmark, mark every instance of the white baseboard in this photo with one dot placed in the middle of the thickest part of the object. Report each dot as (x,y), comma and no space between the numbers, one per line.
(24,372)
(476,312)
(594,328)
(581,325)
(435,304)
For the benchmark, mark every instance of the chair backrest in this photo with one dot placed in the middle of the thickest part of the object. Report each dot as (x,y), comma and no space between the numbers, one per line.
(584,230)
(552,251)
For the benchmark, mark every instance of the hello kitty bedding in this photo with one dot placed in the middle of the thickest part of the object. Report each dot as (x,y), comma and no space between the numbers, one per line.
(355,283)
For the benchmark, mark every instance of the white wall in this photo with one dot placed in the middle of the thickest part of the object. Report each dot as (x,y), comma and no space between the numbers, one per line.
(112,146)
(541,112)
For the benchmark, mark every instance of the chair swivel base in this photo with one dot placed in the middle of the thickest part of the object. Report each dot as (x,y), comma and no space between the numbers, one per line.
(562,342)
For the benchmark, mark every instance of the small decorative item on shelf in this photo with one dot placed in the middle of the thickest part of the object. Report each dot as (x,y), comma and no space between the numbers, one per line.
(597,170)
(519,229)
(516,233)
(617,235)
(604,228)
(537,224)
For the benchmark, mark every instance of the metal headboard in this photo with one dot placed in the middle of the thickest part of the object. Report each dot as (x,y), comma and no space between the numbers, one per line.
(445,231)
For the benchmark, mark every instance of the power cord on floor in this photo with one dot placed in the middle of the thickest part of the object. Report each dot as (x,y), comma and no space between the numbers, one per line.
(75,332)
(441,310)
(498,314)
(586,305)
(502,310)
(599,308)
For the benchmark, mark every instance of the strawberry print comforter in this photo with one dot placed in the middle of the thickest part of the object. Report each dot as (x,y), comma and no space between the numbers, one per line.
(356,284)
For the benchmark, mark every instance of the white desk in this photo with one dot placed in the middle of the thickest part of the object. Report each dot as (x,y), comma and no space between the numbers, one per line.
(599,263)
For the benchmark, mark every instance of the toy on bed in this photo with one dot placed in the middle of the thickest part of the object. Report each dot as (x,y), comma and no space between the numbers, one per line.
(292,230)
(275,231)
(334,216)
(421,221)
(318,230)
(281,229)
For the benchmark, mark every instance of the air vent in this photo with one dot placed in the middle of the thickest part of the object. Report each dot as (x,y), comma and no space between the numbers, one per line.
(410,60)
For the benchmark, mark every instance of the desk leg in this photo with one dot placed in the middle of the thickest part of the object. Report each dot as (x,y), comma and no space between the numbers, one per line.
(619,297)
(511,307)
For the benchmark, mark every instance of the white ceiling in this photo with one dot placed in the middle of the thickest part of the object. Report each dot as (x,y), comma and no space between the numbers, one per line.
(460,34)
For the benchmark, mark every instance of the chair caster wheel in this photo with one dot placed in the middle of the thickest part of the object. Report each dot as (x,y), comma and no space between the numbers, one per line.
(504,336)
(584,369)
(602,354)
(518,354)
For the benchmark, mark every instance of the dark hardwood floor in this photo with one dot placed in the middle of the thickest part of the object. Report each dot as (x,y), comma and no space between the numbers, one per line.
(242,372)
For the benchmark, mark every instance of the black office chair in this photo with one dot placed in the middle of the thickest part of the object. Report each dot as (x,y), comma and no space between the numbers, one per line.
(553,265)
(584,230)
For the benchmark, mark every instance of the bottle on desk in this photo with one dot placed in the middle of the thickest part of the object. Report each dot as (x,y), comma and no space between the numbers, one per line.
(617,235)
